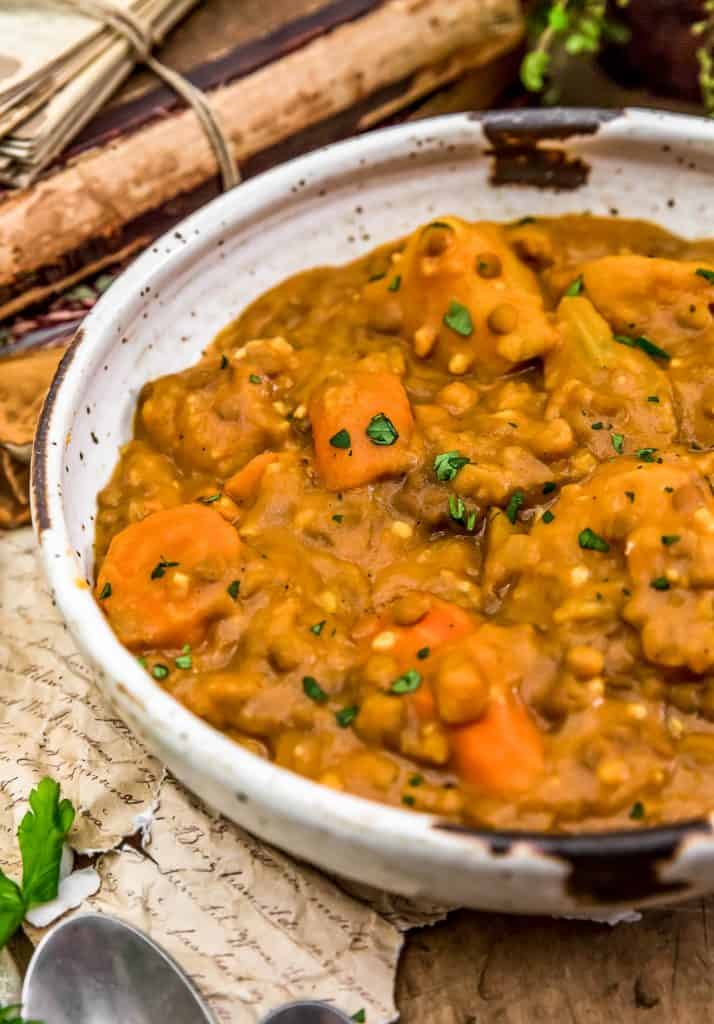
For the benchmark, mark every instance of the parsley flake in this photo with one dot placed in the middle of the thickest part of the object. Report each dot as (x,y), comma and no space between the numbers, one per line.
(416,780)
(318,627)
(549,486)
(381,430)
(376,277)
(159,671)
(184,660)
(106,592)
(514,504)
(423,652)
(644,345)
(345,716)
(670,538)
(597,426)
(618,442)
(458,318)
(255,379)
(395,284)
(233,588)
(224,362)
(448,464)
(359,1017)
(159,570)
(646,454)
(313,690)
(708,275)
(407,683)
(653,398)
(575,287)
(338,517)
(637,811)
(209,499)
(341,439)
(547,517)
(592,541)
(630,495)
(660,583)
(408,799)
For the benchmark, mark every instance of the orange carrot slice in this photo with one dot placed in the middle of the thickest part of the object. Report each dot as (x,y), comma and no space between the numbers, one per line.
(342,414)
(243,484)
(503,751)
(165,577)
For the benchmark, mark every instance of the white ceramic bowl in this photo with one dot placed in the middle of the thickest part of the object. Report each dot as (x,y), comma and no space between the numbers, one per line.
(329,207)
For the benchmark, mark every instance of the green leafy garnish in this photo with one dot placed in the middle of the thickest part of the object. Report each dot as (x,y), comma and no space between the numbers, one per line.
(13,1014)
(233,589)
(338,517)
(376,277)
(708,275)
(255,379)
(381,430)
(660,583)
(184,660)
(345,716)
(224,362)
(448,464)
(514,504)
(547,517)
(549,486)
(423,652)
(637,811)
(670,538)
(106,592)
(630,495)
(395,284)
(341,439)
(318,627)
(575,287)
(470,523)
(359,1017)
(408,799)
(592,541)
(645,345)
(458,318)
(653,398)
(618,442)
(416,780)
(313,690)
(160,568)
(159,671)
(407,683)
(457,512)
(646,454)
(209,499)
(597,426)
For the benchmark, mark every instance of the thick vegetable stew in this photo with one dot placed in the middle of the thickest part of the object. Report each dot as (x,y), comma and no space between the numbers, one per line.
(437,527)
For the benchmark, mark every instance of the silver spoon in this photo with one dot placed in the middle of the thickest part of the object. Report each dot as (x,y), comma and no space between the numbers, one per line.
(94,969)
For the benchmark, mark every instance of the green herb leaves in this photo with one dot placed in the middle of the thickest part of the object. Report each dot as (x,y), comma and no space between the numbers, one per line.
(457,512)
(514,504)
(160,568)
(345,716)
(12,1015)
(106,592)
(575,287)
(254,378)
(407,683)
(645,345)
(395,284)
(208,499)
(618,442)
(381,430)
(637,811)
(184,659)
(341,439)
(646,454)
(547,517)
(708,275)
(160,671)
(458,318)
(660,583)
(670,538)
(233,589)
(41,836)
(592,541)
(448,464)
(313,690)
(318,627)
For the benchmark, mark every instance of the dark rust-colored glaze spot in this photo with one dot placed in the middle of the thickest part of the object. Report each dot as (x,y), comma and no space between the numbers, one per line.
(40,449)
(522,151)
(604,868)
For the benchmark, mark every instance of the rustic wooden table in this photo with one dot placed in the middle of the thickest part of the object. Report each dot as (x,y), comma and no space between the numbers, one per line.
(476,968)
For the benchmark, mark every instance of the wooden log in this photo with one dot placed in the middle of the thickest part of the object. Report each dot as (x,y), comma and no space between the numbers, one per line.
(416,44)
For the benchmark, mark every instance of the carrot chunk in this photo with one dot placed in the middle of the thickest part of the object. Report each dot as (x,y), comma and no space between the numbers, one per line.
(243,484)
(443,623)
(167,576)
(503,751)
(361,429)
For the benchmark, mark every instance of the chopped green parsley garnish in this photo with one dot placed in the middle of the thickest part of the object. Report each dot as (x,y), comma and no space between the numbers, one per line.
(209,499)
(592,541)
(142,661)
(359,1017)
(646,454)
(575,287)
(106,592)
(630,495)
(224,362)
(670,538)
(408,799)
(660,583)
(318,627)
(457,509)
(408,683)
(637,811)
(159,671)
(313,690)
(341,439)
(423,652)
(549,486)
(345,716)
(395,284)
(470,523)
(644,345)
(448,464)
(255,379)
(548,516)
(458,318)
(708,275)
(338,517)
(618,442)
(513,506)
(233,588)
(653,398)
(184,659)
(416,780)
(160,568)
(381,430)
(376,277)
(669,490)
(597,426)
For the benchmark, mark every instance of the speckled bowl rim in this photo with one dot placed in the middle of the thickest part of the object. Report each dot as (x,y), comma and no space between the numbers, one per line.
(288,794)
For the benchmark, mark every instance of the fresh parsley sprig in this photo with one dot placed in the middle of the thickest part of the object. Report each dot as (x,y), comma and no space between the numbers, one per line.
(12,1015)
(41,836)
